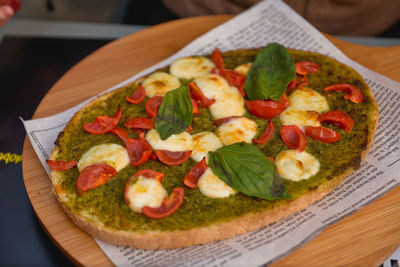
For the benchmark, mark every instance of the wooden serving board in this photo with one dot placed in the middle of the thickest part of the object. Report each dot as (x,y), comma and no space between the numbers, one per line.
(366,238)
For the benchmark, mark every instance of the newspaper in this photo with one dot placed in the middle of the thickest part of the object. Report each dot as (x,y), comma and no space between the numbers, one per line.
(268,21)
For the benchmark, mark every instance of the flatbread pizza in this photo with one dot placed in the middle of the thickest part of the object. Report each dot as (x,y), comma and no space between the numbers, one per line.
(212,146)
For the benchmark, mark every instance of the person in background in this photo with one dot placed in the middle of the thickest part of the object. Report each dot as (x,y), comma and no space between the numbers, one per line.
(7,9)
(342,17)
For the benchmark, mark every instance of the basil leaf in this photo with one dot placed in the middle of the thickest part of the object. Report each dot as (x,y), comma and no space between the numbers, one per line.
(246,169)
(270,73)
(175,113)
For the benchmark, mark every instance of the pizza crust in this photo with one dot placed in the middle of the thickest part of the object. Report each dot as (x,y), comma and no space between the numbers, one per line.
(200,235)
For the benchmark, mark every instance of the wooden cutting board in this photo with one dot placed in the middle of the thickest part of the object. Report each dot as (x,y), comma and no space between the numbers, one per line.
(366,238)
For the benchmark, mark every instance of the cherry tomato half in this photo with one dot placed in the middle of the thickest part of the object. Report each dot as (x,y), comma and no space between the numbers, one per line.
(59,165)
(173,158)
(103,124)
(306,67)
(121,133)
(322,134)
(266,135)
(94,176)
(198,95)
(168,206)
(338,118)
(293,137)
(152,105)
(139,123)
(139,151)
(138,96)
(193,175)
(266,109)
(353,93)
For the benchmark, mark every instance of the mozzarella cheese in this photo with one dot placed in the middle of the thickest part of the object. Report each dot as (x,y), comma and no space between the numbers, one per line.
(296,166)
(243,69)
(203,143)
(160,83)
(237,130)
(300,118)
(213,86)
(228,100)
(174,143)
(191,67)
(112,154)
(231,103)
(145,192)
(211,186)
(308,99)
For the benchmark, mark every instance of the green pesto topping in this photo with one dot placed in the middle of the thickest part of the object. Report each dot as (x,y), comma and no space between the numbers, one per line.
(107,201)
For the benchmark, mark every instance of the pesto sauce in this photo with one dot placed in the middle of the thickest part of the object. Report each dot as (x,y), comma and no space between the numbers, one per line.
(107,201)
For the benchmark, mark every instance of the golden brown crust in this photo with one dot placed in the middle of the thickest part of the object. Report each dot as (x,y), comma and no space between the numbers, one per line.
(200,235)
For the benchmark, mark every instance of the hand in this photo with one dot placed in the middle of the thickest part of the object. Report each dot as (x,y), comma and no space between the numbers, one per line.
(7,9)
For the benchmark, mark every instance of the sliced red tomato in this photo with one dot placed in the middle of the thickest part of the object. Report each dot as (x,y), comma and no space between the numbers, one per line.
(266,135)
(139,123)
(338,118)
(150,173)
(306,67)
(152,105)
(168,206)
(139,151)
(193,175)
(59,165)
(284,100)
(216,57)
(266,109)
(232,77)
(173,158)
(138,96)
(121,133)
(353,93)
(322,134)
(198,95)
(103,124)
(94,176)
(293,137)
(196,109)
(225,120)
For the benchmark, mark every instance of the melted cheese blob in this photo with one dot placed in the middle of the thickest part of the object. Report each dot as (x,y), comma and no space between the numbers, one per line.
(231,103)
(112,154)
(237,130)
(243,69)
(213,86)
(300,118)
(296,166)
(191,67)
(307,99)
(160,83)
(174,143)
(213,187)
(145,192)
(203,143)
(228,100)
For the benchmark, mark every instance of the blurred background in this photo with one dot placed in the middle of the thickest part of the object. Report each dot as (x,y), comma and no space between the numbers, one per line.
(45,38)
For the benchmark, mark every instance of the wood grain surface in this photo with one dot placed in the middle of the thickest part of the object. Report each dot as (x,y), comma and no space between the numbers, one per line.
(366,238)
